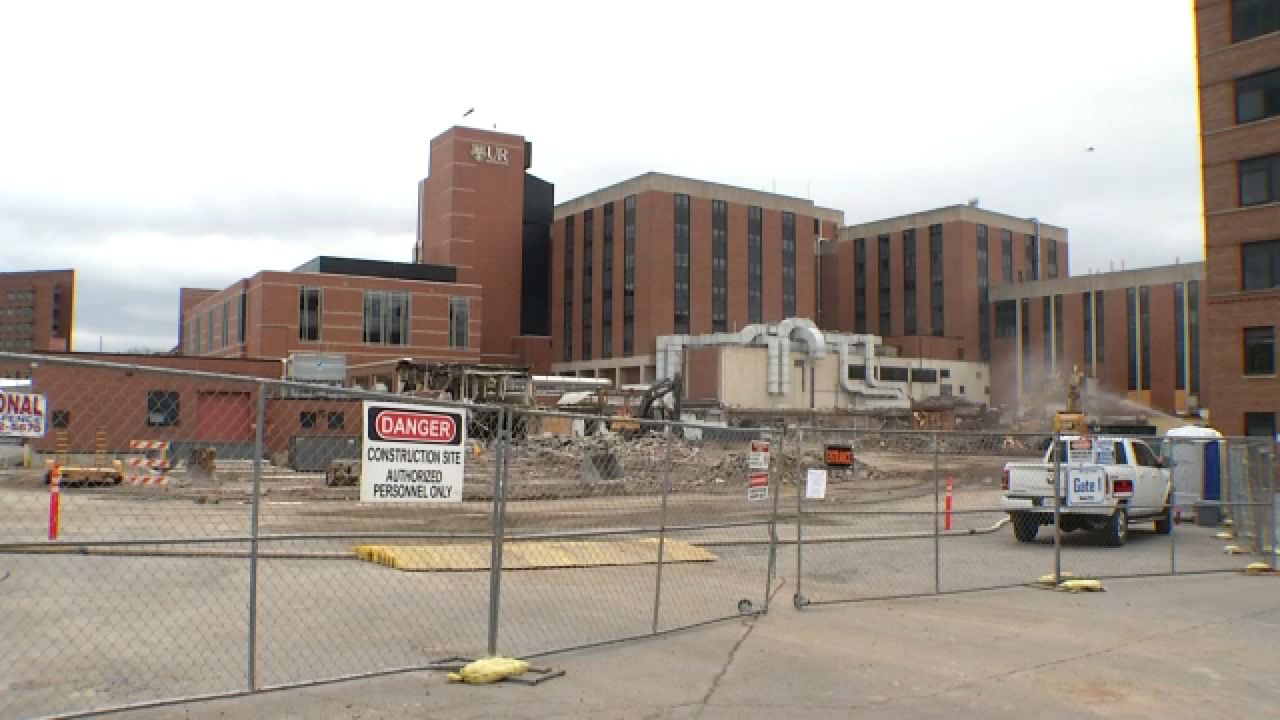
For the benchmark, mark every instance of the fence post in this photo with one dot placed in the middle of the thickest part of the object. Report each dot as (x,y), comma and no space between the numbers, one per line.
(1057,508)
(798,600)
(499,518)
(775,482)
(1274,490)
(252,650)
(937,532)
(1175,511)
(662,527)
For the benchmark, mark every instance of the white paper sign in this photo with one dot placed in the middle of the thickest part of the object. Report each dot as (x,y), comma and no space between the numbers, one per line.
(815,484)
(412,453)
(1086,485)
(759,457)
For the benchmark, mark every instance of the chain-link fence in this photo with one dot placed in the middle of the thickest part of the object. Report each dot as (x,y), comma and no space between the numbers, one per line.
(173,535)
(913,513)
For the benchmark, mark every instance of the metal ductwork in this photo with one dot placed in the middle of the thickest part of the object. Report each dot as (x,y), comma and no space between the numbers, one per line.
(809,334)
(868,358)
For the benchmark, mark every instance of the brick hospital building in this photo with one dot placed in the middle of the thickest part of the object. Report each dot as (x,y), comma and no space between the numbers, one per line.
(503,274)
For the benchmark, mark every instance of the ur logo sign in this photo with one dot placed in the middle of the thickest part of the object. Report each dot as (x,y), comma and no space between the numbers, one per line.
(491,154)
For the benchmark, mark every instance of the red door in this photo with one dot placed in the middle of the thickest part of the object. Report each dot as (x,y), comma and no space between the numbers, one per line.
(224,417)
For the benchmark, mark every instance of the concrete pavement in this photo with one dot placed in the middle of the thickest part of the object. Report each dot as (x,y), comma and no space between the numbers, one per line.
(1170,647)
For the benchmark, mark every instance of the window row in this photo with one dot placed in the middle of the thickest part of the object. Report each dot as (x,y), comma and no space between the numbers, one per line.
(385,318)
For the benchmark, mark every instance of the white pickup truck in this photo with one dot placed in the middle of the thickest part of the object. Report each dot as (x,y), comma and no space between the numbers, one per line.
(1106,483)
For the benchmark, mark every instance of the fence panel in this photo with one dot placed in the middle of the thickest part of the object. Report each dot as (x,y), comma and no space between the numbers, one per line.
(871,534)
(979,548)
(348,588)
(142,596)
(602,518)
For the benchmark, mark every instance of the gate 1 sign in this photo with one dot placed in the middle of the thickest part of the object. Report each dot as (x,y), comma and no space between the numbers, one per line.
(1086,485)
(412,453)
(22,415)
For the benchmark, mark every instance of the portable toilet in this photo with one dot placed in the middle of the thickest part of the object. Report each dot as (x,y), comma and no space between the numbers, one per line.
(1196,454)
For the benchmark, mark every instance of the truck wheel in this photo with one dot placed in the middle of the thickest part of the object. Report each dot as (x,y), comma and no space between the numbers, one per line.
(1164,523)
(1025,527)
(1117,530)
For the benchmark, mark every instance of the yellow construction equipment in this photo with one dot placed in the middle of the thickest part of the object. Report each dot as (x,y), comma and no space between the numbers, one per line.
(1072,420)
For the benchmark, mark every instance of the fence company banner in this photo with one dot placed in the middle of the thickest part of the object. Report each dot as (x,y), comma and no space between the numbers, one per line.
(22,414)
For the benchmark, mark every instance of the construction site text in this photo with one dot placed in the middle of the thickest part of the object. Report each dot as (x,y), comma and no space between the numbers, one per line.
(430,456)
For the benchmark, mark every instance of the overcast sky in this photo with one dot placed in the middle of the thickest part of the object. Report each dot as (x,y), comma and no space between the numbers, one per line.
(153,145)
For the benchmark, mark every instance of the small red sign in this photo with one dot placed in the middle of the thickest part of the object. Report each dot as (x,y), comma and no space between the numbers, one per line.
(416,427)
(759,480)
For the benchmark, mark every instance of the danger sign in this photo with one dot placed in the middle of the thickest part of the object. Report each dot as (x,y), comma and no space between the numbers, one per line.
(412,453)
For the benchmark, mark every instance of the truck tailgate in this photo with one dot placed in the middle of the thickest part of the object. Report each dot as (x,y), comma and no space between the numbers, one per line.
(1030,480)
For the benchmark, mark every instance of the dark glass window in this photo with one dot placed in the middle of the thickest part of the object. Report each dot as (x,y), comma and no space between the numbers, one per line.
(788,264)
(755,265)
(1179,336)
(1260,180)
(1052,252)
(889,373)
(1260,265)
(882,258)
(1260,424)
(1131,318)
(242,312)
(1260,351)
(924,375)
(307,419)
(309,314)
(984,297)
(1144,309)
(226,323)
(1086,314)
(386,317)
(1007,319)
(860,285)
(1026,342)
(1033,258)
(588,239)
(1099,313)
(680,323)
(1251,18)
(459,322)
(1193,327)
(1258,96)
(1046,326)
(1059,347)
(1006,255)
(629,275)
(61,419)
(568,289)
(857,372)
(719,266)
(606,284)
(337,420)
(908,282)
(163,408)
(937,272)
